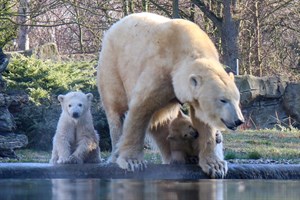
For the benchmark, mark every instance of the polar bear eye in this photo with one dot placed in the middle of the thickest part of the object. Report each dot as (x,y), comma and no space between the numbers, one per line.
(69,105)
(80,105)
(223,100)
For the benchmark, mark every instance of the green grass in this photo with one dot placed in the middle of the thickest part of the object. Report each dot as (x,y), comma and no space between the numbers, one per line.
(265,144)
(259,144)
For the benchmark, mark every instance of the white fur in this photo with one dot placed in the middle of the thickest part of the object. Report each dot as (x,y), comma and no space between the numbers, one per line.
(75,140)
(147,62)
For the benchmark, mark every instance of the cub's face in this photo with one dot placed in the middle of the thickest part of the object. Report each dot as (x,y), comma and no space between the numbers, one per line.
(181,129)
(75,104)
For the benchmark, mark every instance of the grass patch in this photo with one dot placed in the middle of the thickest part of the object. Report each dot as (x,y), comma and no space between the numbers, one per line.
(260,144)
(230,155)
(265,144)
(254,155)
(29,155)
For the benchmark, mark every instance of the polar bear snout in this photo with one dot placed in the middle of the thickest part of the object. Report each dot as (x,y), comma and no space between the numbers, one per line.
(239,122)
(231,115)
(75,111)
(75,115)
(232,125)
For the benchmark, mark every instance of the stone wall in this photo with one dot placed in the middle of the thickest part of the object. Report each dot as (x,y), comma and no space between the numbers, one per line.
(9,140)
(269,101)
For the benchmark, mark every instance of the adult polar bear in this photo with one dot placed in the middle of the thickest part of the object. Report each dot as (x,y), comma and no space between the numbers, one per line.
(147,65)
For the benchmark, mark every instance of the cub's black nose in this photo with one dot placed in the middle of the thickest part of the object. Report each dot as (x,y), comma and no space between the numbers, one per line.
(195,134)
(75,115)
(238,122)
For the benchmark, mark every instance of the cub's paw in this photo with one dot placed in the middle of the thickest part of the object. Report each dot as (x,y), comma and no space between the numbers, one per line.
(213,166)
(131,164)
(62,161)
(53,161)
(74,160)
(177,162)
(112,158)
(192,160)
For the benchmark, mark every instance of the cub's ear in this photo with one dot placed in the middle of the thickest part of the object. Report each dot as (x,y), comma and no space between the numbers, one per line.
(231,75)
(180,114)
(60,98)
(89,96)
(195,81)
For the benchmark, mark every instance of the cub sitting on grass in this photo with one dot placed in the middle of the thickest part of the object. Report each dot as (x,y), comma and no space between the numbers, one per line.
(75,140)
(184,141)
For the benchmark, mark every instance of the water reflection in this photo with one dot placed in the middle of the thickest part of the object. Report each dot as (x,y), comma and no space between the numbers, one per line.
(87,189)
(75,189)
(175,190)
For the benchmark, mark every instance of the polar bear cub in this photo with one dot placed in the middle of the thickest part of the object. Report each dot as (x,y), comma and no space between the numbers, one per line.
(75,140)
(184,141)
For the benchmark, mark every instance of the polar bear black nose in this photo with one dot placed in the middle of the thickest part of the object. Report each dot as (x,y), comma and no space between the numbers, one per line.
(238,122)
(75,115)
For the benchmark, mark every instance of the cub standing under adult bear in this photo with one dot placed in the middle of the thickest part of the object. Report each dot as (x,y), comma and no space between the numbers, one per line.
(149,63)
(75,140)
(183,140)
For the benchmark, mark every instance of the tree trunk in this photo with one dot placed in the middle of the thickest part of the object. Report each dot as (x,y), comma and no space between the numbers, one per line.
(175,13)
(227,27)
(258,38)
(125,7)
(145,5)
(192,12)
(23,39)
(229,36)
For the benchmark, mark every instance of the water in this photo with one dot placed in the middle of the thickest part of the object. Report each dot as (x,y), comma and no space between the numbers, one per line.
(124,189)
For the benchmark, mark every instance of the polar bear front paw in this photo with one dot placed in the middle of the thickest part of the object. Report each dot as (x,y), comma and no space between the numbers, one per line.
(131,164)
(213,167)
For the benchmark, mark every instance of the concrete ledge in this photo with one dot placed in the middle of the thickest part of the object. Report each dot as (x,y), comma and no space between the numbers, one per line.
(112,171)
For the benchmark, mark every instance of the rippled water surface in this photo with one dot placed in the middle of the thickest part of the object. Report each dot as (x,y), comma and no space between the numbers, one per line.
(123,189)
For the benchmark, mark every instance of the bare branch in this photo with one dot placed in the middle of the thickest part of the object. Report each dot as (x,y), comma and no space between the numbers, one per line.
(216,20)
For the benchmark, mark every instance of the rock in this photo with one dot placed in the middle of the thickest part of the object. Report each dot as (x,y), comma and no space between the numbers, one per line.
(291,100)
(12,102)
(8,153)
(7,123)
(258,88)
(16,101)
(153,171)
(261,101)
(47,51)
(11,141)
(3,61)
(2,84)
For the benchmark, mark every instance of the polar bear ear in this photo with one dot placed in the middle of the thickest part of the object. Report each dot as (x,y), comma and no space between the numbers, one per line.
(60,98)
(89,96)
(195,81)
(231,75)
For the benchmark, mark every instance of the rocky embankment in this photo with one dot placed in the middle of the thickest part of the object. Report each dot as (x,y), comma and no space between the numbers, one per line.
(9,140)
